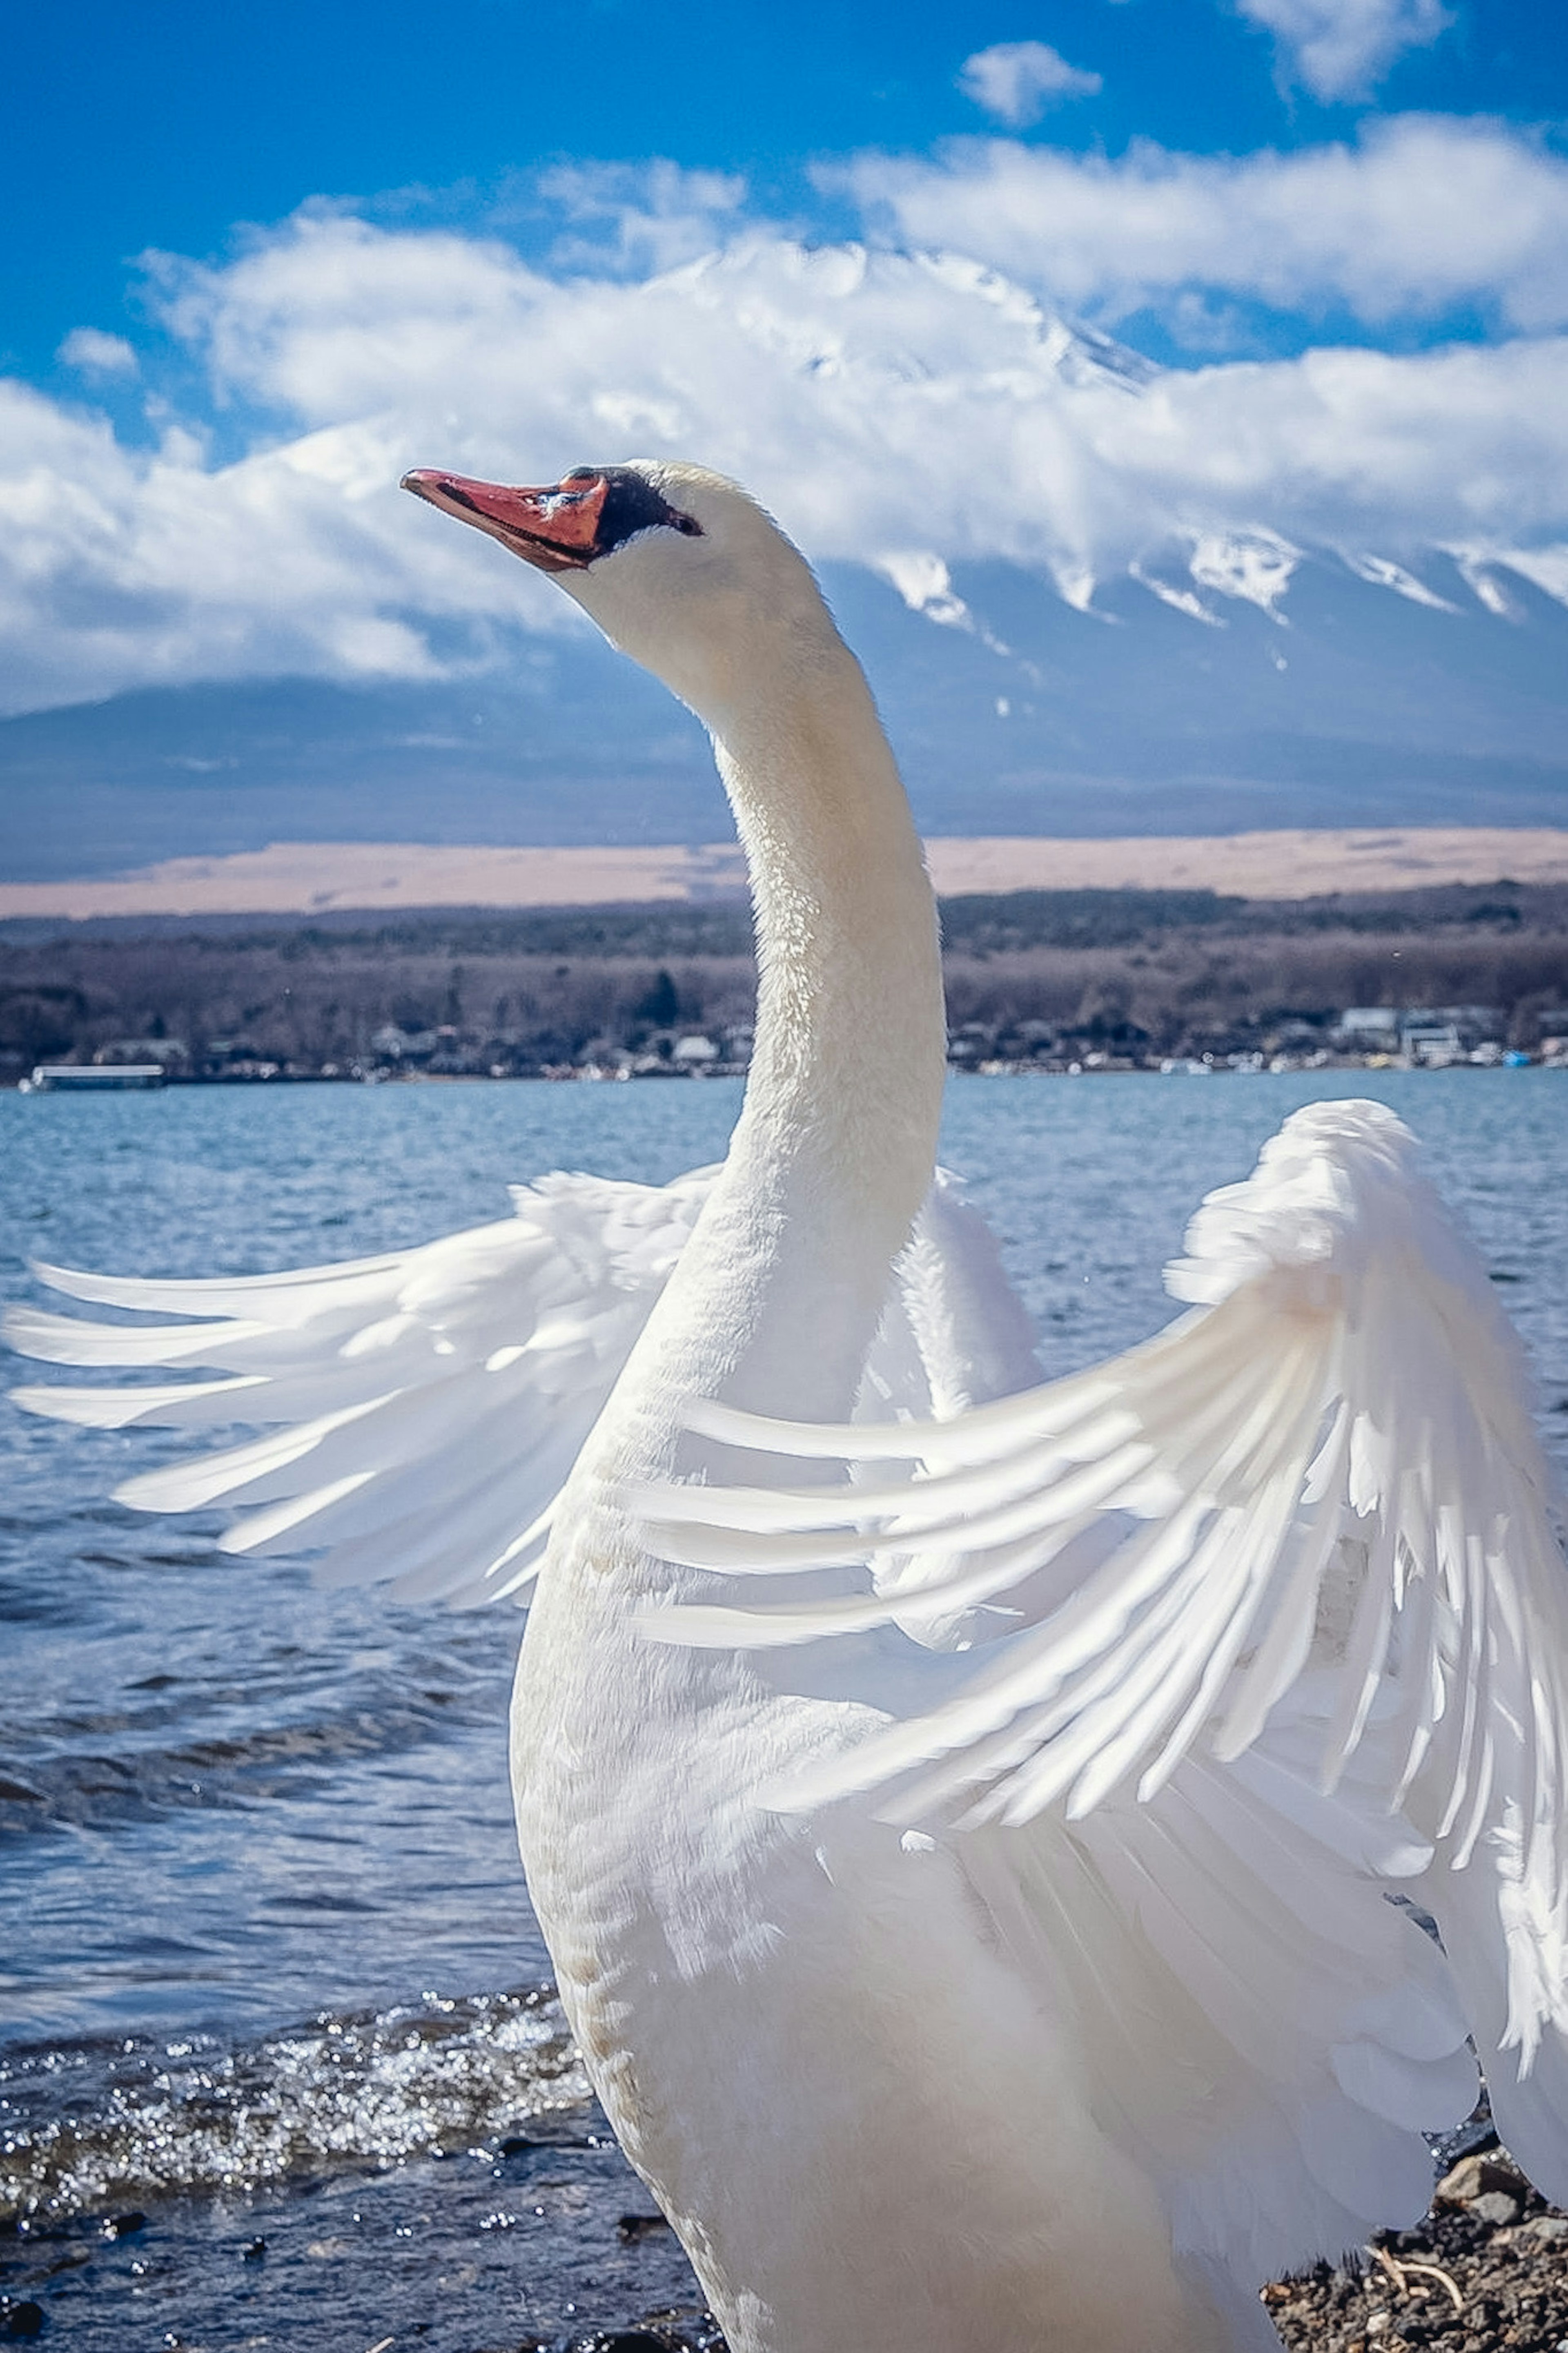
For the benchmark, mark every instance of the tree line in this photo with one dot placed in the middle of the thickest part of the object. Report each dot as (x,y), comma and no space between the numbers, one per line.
(1139,973)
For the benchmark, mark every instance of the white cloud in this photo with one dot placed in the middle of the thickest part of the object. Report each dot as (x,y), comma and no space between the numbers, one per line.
(95,354)
(121,568)
(1342,48)
(924,583)
(1425,214)
(1361,444)
(1016,81)
(639,216)
(877,402)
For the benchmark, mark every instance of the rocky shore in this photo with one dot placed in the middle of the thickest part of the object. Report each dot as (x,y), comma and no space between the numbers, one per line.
(1488,2269)
(544,2242)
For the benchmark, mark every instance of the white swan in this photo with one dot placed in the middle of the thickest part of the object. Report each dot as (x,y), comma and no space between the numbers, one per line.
(1004,1962)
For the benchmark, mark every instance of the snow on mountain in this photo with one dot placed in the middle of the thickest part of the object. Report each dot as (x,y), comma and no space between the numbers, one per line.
(1275,688)
(1079,611)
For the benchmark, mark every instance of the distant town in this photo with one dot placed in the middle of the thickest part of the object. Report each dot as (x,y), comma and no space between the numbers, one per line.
(1183,982)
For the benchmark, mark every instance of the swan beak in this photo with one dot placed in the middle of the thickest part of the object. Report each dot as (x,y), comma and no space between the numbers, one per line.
(556,529)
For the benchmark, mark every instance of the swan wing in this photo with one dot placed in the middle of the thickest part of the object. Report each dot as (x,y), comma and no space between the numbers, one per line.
(418,1411)
(1267,1617)
(954,1332)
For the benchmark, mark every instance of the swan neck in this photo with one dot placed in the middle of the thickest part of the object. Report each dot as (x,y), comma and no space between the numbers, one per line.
(851,1019)
(834,1151)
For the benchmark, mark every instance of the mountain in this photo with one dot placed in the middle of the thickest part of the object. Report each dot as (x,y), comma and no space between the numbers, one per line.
(1223,681)
(1247,696)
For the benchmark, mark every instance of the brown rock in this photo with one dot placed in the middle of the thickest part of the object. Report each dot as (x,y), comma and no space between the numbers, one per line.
(1488,2171)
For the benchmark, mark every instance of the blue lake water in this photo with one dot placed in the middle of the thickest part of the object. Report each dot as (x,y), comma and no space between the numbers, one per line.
(261,1908)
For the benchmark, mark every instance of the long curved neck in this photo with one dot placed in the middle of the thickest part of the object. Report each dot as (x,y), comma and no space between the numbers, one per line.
(833,1151)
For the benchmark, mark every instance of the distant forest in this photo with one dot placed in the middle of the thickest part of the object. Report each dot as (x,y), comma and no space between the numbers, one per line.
(1134,972)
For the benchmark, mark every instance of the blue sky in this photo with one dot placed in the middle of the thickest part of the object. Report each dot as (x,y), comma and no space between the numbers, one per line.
(165,127)
(260,261)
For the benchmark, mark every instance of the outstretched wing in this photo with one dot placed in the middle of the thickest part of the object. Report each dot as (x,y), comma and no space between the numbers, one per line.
(1278,1616)
(420,1409)
(423,1408)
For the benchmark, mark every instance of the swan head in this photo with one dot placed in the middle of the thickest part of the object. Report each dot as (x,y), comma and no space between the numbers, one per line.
(680,569)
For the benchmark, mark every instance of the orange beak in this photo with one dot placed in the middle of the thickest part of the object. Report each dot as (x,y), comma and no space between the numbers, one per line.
(556,529)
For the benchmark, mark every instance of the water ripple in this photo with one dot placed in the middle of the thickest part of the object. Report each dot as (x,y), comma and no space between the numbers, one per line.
(88,2124)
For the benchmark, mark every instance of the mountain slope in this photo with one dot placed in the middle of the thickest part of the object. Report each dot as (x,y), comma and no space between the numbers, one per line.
(1217,679)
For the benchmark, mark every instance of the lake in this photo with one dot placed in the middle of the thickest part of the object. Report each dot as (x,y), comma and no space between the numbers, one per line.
(268,1969)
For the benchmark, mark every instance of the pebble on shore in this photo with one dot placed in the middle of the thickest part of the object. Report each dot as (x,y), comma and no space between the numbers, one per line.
(1487,2269)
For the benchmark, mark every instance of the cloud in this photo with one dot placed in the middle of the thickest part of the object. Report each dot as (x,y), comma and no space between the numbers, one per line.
(1016,81)
(95,354)
(880,403)
(631,216)
(1342,48)
(122,568)
(1424,216)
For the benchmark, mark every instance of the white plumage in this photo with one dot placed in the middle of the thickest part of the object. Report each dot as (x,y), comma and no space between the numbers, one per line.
(423,1407)
(426,1405)
(962,1811)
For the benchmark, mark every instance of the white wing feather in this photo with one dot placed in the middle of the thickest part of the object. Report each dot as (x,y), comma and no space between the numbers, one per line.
(955,1333)
(420,1409)
(1290,1629)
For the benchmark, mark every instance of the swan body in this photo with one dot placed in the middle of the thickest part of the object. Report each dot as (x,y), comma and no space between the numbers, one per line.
(963,1840)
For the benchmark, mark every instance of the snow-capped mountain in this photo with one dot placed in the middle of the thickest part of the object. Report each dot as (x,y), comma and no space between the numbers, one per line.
(1223,696)
(1239,681)
(1147,656)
